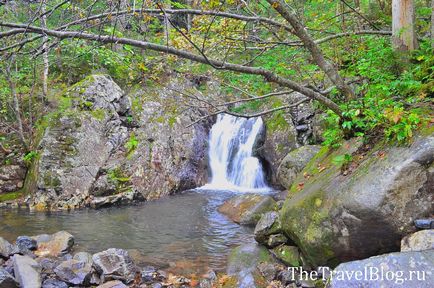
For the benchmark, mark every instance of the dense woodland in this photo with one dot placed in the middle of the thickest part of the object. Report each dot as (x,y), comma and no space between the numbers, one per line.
(342,54)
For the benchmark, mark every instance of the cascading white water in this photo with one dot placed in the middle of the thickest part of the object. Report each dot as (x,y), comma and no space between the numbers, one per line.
(233,166)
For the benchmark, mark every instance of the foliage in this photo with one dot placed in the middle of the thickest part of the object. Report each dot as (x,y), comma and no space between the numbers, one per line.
(131,144)
(30,156)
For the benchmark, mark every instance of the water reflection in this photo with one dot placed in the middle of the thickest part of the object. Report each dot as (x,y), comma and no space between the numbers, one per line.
(184,233)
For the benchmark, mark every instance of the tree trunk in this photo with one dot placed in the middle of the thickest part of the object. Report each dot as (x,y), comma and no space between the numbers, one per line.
(45,55)
(329,69)
(403,28)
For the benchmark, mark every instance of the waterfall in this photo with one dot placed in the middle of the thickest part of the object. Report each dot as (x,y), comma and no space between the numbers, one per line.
(232,164)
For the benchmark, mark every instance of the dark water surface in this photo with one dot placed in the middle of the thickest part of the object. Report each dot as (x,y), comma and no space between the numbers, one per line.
(184,233)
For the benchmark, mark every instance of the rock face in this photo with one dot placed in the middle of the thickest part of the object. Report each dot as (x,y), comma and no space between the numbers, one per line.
(98,144)
(406,269)
(335,218)
(54,245)
(12,177)
(268,225)
(294,162)
(114,264)
(27,271)
(247,209)
(422,240)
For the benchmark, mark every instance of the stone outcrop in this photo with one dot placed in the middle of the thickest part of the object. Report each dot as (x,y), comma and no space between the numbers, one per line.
(294,162)
(335,217)
(247,209)
(11,177)
(27,271)
(99,144)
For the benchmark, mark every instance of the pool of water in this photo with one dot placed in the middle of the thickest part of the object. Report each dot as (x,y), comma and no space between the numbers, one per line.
(184,234)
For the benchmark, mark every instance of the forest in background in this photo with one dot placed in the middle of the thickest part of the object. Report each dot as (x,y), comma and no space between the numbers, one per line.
(340,53)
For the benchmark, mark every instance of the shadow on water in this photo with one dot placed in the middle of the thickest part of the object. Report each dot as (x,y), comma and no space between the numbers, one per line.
(182,233)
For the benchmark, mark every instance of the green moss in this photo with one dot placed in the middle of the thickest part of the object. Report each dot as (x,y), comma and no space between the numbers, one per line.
(10,196)
(98,114)
(288,255)
(276,122)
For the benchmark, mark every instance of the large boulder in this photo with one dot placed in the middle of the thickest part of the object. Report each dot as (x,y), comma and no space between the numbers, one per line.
(114,264)
(421,240)
(337,213)
(27,271)
(401,269)
(294,162)
(247,209)
(100,143)
(55,245)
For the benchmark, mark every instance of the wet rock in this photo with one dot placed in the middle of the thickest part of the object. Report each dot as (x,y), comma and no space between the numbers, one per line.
(83,257)
(6,280)
(294,162)
(114,264)
(243,262)
(268,224)
(289,255)
(27,271)
(54,283)
(6,248)
(26,244)
(74,272)
(268,270)
(113,284)
(421,240)
(336,217)
(276,240)
(398,264)
(247,209)
(47,264)
(149,274)
(55,245)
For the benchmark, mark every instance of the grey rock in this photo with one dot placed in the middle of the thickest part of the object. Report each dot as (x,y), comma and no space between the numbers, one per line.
(74,272)
(6,280)
(421,240)
(27,271)
(118,199)
(6,248)
(83,257)
(338,217)
(113,284)
(25,244)
(55,245)
(397,265)
(54,283)
(114,264)
(294,162)
(268,224)
(276,240)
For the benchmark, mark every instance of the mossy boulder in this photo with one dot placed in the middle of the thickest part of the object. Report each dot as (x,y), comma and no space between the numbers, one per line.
(243,263)
(289,255)
(334,217)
